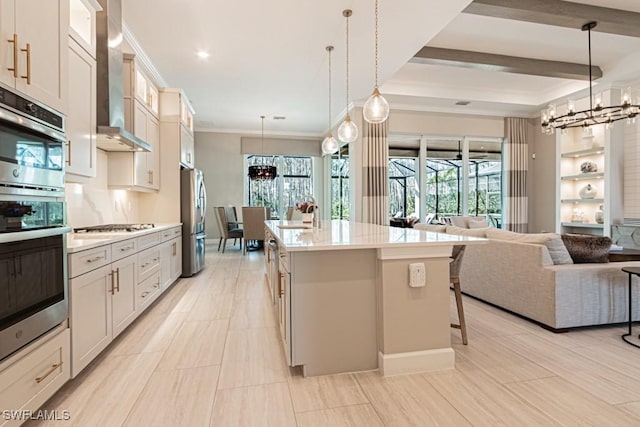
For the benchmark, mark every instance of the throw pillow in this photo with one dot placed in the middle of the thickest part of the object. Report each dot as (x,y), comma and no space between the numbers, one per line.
(478,224)
(511,236)
(480,232)
(459,221)
(586,249)
(430,227)
(558,251)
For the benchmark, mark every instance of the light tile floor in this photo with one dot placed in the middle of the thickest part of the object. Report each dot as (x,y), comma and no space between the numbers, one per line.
(208,354)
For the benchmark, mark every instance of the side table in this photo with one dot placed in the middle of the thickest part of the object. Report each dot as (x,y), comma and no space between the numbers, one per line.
(624,255)
(631,271)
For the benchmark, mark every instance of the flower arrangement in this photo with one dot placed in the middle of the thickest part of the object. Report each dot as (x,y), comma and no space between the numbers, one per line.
(306,207)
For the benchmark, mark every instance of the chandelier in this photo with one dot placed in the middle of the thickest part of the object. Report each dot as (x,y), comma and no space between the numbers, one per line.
(262,172)
(596,114)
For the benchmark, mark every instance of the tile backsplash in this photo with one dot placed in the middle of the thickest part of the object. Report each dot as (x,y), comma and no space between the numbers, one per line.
(93,203)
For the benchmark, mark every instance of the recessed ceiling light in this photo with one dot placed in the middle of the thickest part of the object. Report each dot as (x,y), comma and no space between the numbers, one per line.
(202,54)
(463,102)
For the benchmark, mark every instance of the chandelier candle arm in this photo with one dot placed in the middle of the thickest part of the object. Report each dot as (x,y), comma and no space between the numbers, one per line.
(348,131)
(376,109)
(329,145)
(595,115)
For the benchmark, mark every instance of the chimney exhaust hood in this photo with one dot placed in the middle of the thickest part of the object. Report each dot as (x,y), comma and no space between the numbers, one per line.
(112,135)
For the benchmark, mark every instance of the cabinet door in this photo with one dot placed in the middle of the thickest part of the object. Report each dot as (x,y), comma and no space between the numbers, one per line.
(81,114)
(176,258)
(139,120)
(90,316)
(165,264)
(42,28)
(153,158)
(124,293)
(7,30)
(186,147)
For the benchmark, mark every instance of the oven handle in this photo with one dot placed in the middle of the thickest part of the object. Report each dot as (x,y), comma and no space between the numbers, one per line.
(33,234)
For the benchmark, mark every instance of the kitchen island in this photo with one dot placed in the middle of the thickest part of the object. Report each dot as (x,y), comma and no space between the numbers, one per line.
(346,302)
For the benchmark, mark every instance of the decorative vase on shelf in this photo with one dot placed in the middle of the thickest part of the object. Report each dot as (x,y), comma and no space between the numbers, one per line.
(307,218)
(588,192)
(600,215)
(588,167)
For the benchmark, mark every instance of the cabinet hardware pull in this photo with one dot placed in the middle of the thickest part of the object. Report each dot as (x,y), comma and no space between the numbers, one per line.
(69,152)
(15,55)
(174,251)
(118,279)
(27,50)
(113,285)
(127,248)
(95,259)
(144,265)
(49,372)
(144,294)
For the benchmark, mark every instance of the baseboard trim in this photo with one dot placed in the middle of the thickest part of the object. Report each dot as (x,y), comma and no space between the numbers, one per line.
(416,361)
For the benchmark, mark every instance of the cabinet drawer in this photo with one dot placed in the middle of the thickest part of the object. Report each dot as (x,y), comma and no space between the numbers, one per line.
(33,379)
(283,258)
(148,262)
(148,290)
(149,240)
(84,261)
(171,233)
(123,249)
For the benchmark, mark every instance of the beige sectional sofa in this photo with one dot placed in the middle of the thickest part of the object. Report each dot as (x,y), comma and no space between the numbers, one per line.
(522,278)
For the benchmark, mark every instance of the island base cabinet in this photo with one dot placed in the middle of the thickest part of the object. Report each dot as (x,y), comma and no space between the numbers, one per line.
(90,316)
(29,382)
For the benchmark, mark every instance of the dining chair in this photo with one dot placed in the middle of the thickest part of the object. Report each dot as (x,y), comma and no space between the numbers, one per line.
(454,279)
(226,233)
(253,218)
(289,213)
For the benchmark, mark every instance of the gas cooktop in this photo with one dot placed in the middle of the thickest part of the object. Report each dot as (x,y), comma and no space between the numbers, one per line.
(110,228)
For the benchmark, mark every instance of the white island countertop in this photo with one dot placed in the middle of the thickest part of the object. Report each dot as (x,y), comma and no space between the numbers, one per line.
(82,241)
(341,235)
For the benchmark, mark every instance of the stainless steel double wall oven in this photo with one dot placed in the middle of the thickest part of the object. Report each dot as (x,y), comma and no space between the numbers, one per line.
(33,276)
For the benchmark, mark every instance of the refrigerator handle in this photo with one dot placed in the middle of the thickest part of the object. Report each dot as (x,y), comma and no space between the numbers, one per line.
(204,208)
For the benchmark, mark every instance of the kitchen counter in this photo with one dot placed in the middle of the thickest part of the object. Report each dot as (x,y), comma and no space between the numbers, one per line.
(341,235)
(83,241)
(356,297)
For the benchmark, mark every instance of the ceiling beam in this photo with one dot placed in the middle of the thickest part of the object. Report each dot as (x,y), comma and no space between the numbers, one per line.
(561,14)
(504,63)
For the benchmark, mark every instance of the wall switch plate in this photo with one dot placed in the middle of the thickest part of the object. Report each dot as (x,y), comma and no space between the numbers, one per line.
(417,276)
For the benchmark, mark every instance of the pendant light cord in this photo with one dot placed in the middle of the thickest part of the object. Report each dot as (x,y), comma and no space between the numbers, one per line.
(347,61)
(590,78)
(329,49)
(376,43)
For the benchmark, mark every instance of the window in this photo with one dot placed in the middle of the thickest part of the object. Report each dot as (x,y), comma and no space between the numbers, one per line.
(294,180)
(403,187)
(340,187)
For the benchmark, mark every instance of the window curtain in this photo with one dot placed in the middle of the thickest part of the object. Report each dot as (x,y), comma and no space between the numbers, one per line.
(375,173)
(516,174)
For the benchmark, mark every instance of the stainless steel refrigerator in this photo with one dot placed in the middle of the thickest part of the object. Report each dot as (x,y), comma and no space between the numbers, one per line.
(193,209)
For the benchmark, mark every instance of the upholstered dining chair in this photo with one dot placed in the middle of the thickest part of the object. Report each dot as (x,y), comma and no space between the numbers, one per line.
(225,232)
(253,218)
(454,279)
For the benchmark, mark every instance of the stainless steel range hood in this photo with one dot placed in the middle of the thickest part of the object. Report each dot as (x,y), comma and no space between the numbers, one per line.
(112,135)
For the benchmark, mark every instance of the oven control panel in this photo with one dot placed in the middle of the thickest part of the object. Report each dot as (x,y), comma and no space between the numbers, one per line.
(31,109)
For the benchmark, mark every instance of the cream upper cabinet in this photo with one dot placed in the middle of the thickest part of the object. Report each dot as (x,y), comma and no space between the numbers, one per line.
(33,57)
(82,23)
(138,170)
(177,119)
(81,115)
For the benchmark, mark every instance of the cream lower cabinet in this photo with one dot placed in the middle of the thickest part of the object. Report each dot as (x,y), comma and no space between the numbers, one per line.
(171,261)
(30,377)
(283,301)
(102,306)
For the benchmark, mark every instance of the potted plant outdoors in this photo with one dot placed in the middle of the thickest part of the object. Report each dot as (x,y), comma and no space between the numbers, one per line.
(306,208)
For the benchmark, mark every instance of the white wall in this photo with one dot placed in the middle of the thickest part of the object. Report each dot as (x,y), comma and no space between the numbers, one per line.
(93,203)
(542,179)
(445,124)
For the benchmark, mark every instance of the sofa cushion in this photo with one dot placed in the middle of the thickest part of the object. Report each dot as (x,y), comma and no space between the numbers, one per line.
(463,221)
(558,251)
(587,249)
(473,224)
(430,227)
(479,232)
(511,236)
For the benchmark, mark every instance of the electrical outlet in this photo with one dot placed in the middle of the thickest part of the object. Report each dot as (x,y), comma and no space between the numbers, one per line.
(417,276)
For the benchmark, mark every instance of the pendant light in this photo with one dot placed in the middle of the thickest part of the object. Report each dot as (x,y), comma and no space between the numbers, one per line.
(348,131)
(376,109)
(329,145)
(262,172)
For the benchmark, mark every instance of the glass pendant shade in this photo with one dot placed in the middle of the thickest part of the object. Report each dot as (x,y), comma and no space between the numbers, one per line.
(348,131)
(330,145)
(376,109)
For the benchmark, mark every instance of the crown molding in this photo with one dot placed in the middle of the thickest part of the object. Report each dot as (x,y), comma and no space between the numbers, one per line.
(142,57)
